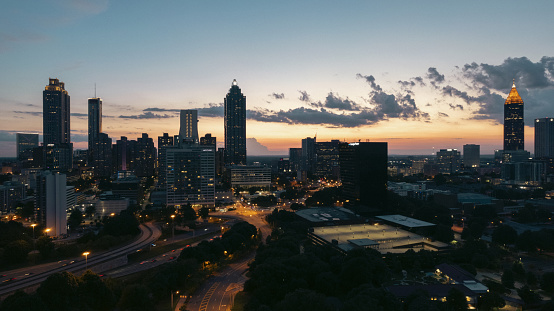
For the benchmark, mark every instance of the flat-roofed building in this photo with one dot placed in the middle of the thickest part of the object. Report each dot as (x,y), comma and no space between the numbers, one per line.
(250,176)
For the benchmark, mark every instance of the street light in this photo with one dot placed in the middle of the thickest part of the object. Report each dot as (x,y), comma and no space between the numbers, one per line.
(33,225)
(176,292)
(47,230)
(173,226)
(86,259)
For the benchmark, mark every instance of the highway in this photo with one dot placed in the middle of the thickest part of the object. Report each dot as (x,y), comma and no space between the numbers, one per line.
(218,292)
(30,276)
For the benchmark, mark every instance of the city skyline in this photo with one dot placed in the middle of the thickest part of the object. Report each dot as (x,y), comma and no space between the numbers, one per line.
(416,76)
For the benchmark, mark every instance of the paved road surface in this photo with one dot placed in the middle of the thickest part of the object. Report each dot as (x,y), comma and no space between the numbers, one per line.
(218,292)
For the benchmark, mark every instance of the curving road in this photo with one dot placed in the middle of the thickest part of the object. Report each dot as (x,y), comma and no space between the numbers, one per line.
(218,292)
(31,276)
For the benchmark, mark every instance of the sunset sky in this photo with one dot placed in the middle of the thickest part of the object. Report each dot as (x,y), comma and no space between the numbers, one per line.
(417,74)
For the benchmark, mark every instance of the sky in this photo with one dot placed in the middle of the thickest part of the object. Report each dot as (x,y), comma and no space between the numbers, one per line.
(420,75)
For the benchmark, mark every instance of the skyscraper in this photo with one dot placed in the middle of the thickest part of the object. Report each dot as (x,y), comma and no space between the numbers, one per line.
(472,155)
(58,150)
(94,122)
(235,126)
(544,138)
(363,171)
(448,161)
(513,121)
(163,142)
(189,125)
(308,154)
(51,202)
(25,145)
(56,113)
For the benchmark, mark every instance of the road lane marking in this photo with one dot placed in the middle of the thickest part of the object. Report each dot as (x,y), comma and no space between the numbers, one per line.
(206,299)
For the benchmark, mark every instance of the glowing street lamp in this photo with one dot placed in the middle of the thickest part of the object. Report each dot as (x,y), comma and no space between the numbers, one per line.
(33,225)
(86,259)
(47,230)
(173,226)
(172,292)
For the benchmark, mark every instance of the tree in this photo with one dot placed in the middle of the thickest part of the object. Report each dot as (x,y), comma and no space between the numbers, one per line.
(45,246)
(456,300)
(547,282)
(22,301)
(304,300)
(204,212)
(135,297)
(508,278)
(16,251)
(90,210)
(489,301)
(504,234)
(94,293)
(59,291)
(75,219)
(528,296)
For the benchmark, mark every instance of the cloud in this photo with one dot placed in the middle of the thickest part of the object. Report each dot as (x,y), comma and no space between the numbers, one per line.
(32,113)
(211,111)
(160,110)
(434,76)
(277,95)
(454,107)
(499,77)
(336,102)
(444,115)
(406,84)
(371,81)
(419,80)
(304,96)
(147,115)
(254,147)
(7,136)
(80,115)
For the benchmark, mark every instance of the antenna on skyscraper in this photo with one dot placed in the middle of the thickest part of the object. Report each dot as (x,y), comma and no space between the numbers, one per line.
(94,89)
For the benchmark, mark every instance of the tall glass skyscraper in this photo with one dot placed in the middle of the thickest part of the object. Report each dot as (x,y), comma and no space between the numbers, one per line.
(94,121)
(56,109)
(235,126)
(513,121)
(58,150)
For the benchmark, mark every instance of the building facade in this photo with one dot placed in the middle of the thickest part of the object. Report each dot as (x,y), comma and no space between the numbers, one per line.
(56,126)
(250,176)
(472,156)
(190,175)
(25,144)
(189,126)
(513,121)
(544,138)
(448,161)
(363,171)
(51,202)
(163,142)
(235,126)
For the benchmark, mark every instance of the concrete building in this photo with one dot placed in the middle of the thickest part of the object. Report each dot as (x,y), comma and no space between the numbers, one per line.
(250,176)
(163,142)
(10,194)
(448,161)
(472,156)
(25,144)
(51,202)
(544,138)
(190,175)
(189,126)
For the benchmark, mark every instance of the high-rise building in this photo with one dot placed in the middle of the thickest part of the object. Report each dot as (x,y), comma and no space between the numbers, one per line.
(295,158)
(56,113)
(25,144)
(189,126)
(144,156)
(327,159)
(235,126)
(208,140)
(11,193)
(472,155)
(513,121)
(58,150)
(99,144)
(363,171)
(51,202)
(544,138)
(448,161)
(308,154)
(94,122)
(163,142)
(190,175)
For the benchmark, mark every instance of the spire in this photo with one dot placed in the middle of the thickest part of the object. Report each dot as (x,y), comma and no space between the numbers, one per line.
(514,84)
(234,82)
(513,97)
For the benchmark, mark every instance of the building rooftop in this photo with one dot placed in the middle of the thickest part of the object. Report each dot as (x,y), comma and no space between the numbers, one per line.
(475,198)
(405,221)
(326,214)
